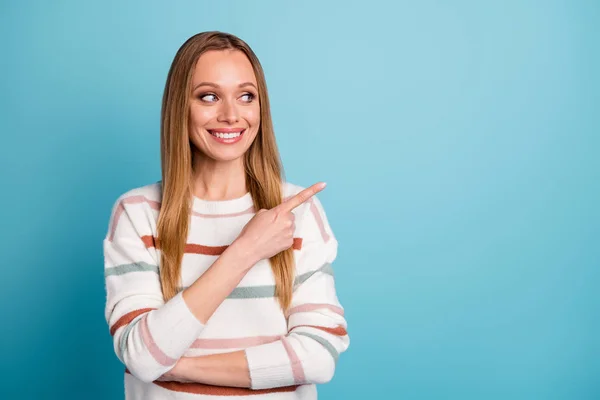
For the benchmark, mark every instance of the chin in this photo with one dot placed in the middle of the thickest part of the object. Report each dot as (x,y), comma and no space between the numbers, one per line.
(226,156)
(227,159)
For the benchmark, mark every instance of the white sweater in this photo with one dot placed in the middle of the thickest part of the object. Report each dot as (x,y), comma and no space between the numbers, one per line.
(287,354)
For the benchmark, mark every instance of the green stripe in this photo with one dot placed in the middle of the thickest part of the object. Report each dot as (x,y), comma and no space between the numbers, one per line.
(252,292)
(326,269)
(334,353)
(127,268)
(125,334)
(266,291)
(249,292)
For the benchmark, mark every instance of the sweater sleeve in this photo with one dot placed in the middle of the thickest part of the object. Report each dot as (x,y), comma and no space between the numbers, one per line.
(316,325)
(149,335)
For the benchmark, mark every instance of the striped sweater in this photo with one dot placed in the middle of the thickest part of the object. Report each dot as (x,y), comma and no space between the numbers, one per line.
(287,353)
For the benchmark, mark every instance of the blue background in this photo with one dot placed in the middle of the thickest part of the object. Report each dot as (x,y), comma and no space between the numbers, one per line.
(459,140)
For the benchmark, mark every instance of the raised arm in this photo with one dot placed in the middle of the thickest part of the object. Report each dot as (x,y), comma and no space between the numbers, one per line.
(316,324)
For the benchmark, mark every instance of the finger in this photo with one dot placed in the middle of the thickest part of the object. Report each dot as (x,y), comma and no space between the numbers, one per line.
(301,197)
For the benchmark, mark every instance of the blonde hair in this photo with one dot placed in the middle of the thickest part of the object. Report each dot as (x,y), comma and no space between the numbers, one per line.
(262,163)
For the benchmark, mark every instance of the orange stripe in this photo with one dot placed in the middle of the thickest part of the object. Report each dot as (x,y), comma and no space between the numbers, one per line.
(148,241)
(192,248)
(338,330)
(206,250)
(200,388)
(297,244)
(127,318)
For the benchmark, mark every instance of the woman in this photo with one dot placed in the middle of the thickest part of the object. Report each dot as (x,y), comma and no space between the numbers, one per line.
(243,303)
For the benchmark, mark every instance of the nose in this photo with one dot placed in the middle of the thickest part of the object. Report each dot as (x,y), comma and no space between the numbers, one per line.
(228,112)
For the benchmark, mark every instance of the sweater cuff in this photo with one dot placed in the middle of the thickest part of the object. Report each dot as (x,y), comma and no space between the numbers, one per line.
(173,327)
(269,366)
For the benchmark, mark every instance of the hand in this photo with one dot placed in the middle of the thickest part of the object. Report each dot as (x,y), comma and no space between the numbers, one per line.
(272,231)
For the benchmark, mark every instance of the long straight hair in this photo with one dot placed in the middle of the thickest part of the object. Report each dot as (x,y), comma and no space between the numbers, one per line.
(262,163)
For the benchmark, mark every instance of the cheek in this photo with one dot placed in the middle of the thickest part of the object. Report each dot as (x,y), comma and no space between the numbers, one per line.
(200,116)
(252,115)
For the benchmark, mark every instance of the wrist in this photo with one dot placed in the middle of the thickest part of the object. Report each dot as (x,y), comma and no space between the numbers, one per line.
(242,252)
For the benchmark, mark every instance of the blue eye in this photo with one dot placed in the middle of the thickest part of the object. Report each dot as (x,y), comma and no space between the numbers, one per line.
(250,95)
(207,95)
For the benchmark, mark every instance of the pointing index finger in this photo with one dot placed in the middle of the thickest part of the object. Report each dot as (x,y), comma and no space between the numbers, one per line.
(301,197)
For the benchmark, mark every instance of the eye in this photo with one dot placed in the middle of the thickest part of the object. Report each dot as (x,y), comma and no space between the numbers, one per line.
(249,96)
(204,97)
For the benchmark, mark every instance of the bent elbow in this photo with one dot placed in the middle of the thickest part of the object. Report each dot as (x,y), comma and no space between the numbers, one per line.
(320,370)
(143,372)
(324,376)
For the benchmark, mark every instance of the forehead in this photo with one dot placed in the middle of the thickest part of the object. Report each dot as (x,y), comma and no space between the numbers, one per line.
(223,67)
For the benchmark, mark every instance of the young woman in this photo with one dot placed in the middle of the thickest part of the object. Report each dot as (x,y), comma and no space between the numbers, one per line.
(218,277)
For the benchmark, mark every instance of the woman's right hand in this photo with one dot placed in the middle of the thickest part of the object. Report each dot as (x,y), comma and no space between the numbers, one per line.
(272,231)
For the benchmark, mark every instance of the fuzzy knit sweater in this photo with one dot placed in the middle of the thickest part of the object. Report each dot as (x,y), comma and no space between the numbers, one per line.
(287,353)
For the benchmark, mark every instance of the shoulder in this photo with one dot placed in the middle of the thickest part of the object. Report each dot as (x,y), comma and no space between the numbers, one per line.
(147,193)
(140,205)
(290,189)
(310,216)
(140,197)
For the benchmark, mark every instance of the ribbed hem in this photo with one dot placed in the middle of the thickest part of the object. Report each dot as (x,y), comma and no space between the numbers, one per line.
(269,366)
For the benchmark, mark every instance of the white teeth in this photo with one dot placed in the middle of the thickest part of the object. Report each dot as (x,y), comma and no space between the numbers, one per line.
(226,135)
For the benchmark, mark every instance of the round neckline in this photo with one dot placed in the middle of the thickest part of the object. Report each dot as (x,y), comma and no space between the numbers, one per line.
(228,206)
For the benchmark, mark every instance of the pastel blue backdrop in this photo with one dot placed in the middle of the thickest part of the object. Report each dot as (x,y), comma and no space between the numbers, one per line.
(459,139)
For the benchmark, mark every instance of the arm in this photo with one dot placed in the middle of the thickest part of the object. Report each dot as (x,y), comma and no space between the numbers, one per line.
(316,328)
(316,324)
(224,369)
(149,335)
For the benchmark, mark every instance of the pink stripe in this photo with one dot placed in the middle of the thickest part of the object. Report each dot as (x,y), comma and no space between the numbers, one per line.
(156,206)
(235,343)
(312,307)
(157,353)
(297,369)
(115,220)
(315,212)
(141,199)
(120,208)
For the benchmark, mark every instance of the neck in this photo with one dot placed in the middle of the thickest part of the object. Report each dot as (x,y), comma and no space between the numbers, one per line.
(218,180)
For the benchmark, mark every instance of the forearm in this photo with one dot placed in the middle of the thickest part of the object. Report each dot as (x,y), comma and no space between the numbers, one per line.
(212,288)
(227,369)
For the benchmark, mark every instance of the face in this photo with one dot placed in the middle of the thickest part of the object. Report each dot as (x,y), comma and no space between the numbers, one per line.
(224,105)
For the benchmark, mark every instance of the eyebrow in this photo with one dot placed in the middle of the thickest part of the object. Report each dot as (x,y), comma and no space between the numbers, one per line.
(241,85)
